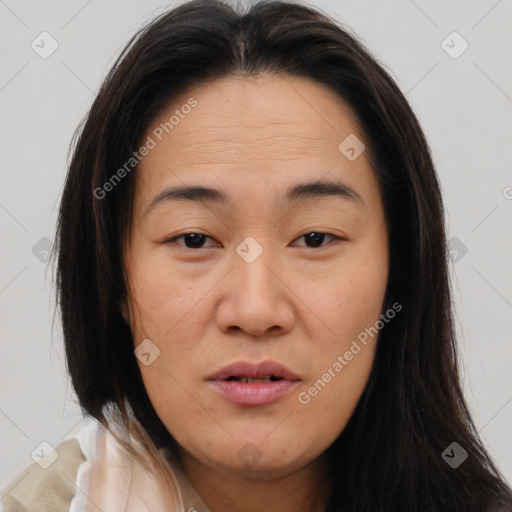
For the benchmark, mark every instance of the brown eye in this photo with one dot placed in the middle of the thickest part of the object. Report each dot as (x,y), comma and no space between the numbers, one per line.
(316,239)
(191,240)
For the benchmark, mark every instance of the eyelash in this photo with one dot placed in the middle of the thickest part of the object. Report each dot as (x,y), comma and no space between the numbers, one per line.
(173,239)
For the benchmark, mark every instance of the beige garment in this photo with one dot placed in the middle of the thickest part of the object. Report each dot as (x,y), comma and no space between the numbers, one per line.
(46,490)
(95,473)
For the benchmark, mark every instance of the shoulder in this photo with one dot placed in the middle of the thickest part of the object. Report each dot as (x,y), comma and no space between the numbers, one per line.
(45,490)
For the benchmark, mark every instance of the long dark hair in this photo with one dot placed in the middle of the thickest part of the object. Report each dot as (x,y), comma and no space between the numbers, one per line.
(389,456)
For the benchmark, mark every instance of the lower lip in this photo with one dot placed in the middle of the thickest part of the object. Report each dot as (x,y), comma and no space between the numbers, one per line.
(254,393)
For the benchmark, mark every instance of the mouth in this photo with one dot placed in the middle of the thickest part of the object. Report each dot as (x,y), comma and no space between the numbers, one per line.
(265,370)
(250,384)
(250,380)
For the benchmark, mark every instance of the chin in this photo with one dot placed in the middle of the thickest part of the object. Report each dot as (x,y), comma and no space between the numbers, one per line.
(259,454)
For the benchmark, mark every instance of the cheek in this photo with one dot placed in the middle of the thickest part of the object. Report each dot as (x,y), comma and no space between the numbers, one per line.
(349,306)
(163,297)
(346,297)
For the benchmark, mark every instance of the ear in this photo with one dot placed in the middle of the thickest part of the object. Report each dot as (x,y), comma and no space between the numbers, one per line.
(125,311)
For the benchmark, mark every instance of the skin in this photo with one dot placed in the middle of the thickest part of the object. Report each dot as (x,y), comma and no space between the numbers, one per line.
(299,304)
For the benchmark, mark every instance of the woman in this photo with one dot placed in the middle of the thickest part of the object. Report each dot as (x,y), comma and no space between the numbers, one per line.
(253,283)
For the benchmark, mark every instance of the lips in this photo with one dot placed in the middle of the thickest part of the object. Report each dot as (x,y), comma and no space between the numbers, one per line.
(248,384)
(245,370)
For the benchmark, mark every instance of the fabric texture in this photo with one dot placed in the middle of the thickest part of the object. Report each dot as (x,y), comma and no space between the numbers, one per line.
(46,490)
(94,473)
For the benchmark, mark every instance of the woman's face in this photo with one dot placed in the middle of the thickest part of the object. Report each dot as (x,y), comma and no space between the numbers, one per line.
(270,269)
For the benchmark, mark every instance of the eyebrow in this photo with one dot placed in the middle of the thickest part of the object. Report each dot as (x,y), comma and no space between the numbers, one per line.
(308,190)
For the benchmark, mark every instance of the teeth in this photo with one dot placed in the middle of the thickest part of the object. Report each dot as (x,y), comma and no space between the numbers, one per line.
(249,380)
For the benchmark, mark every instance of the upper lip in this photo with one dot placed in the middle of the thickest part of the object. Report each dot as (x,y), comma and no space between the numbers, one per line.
(254,371)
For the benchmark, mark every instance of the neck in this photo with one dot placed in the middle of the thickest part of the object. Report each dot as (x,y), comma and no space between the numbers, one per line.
(226,490)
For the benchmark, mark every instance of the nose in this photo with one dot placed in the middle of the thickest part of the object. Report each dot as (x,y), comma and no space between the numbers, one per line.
(256,298)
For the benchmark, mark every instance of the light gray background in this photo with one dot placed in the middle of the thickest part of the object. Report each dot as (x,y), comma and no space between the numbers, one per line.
(464,105)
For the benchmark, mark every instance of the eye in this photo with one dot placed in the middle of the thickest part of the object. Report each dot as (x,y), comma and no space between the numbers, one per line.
(192,240)
(315,238)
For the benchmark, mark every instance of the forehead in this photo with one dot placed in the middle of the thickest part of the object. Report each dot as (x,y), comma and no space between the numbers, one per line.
(258,134)
(267,114)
